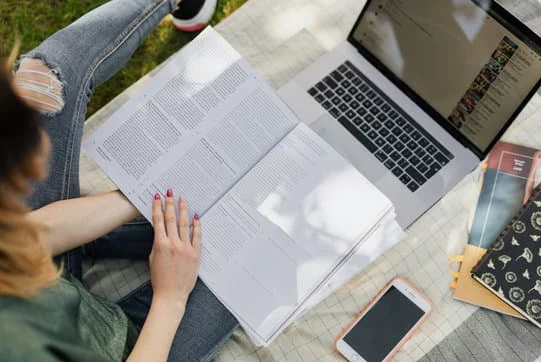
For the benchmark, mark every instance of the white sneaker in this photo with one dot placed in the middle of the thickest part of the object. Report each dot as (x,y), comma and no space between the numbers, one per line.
(193,15)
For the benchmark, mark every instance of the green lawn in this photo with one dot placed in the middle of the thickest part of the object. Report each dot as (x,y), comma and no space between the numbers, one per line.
(33,21)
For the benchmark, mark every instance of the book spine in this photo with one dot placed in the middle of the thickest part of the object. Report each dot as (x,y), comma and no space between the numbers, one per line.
(535,194)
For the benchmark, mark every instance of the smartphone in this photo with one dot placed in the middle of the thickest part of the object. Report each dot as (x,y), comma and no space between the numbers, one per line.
(380,329)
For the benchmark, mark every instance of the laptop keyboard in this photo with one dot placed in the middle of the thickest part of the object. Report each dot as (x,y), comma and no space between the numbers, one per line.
(396,140)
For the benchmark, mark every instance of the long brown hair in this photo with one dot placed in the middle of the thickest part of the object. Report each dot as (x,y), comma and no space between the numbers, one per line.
(25,264)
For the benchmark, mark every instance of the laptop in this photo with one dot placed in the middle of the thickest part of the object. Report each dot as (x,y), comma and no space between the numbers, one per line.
(419,93)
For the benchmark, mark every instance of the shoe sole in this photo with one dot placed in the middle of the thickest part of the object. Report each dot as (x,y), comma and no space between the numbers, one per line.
(199,21)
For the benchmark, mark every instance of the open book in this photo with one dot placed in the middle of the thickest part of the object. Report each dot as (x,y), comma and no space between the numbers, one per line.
(281,210)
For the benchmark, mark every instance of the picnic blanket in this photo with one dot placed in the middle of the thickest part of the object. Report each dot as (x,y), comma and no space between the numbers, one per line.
(280,37)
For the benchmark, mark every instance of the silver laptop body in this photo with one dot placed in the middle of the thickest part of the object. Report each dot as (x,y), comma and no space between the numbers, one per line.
(379,99)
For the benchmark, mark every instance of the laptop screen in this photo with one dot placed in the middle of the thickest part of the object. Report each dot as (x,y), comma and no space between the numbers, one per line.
(462,61)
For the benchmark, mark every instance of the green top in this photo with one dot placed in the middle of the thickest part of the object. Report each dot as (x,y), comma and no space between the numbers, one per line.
(64,323)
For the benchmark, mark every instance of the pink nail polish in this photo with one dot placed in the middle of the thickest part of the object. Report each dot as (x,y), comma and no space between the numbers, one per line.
(196,217)
(157,197)
(169,192)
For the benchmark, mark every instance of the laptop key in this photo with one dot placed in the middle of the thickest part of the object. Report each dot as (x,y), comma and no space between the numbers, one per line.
(422,168)
(384,132)
(391,139)
(340,91)
(408,128)
(349,74)
(441,159)
(397,131)
(350,114)
(431,149)
(343,107)
(380,155)
(404,138)
(376,125)
(357,121)
(389,164)
(407,153)
(385,108)
(353,90)
(329,93)
(389,124)
(364,88)
(414,161)
(378,101)
(405,179)
(400,121)
(371,94)
(397,171)
(420,152)
(395,156)
(403,163)
(330,82)
(336,101)
(423,142)
(354,105)
(369,118)
(380,142)
(416,135)
(399,146)
(432,171)
(428,159)
(345,83)
(374,110)
(335,112)
(312,91)
(360,97)
(365,127)
(372,134)
(416,176)
(327,105)
(412,145)
(393,114)
(412,186)
(356,81)
(320,98)
(347,98)
(382,117)
(321,86)
(343,69)
(337,76)
(367,104)
(388,149)
(361,111)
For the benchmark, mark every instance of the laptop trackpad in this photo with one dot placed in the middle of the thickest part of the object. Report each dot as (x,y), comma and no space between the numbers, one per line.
(349,147)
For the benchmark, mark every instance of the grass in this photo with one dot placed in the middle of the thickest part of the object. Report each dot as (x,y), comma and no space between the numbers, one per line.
(33,21)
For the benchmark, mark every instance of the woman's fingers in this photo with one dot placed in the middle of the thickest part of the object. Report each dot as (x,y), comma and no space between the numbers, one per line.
(183,222)
(157,218)
(196,233)
(170,216)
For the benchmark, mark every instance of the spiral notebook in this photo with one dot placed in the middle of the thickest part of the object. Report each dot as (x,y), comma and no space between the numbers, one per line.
(512,268)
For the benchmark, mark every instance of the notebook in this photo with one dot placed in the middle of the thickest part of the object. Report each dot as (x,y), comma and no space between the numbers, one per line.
(507,183)
(512,268)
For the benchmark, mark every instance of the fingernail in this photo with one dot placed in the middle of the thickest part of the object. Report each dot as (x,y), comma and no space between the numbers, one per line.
(169,192)
(180,199)
(157,197)
(196,217)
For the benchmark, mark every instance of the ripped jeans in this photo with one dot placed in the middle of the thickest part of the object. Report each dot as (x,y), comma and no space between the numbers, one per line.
(57,78)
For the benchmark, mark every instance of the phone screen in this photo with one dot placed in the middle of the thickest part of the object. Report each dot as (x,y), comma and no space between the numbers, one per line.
(383,326)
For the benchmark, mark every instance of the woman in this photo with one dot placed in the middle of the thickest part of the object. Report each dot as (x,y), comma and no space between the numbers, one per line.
(44,317)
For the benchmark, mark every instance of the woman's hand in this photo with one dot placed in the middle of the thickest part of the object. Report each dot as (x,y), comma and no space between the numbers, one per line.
(174,260)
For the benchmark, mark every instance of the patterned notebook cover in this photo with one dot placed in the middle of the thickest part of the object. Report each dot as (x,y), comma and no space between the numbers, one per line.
(512,269)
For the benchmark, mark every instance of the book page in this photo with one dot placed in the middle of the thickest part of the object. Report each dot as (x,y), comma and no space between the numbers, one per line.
(284,228)
(200,124)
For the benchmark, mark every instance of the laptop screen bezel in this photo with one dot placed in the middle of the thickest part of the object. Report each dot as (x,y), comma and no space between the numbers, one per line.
(510,22)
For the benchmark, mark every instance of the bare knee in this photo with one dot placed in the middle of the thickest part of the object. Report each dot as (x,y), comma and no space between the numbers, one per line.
(39,86)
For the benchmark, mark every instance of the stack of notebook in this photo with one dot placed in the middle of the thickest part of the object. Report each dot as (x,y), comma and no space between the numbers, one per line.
(512,267)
